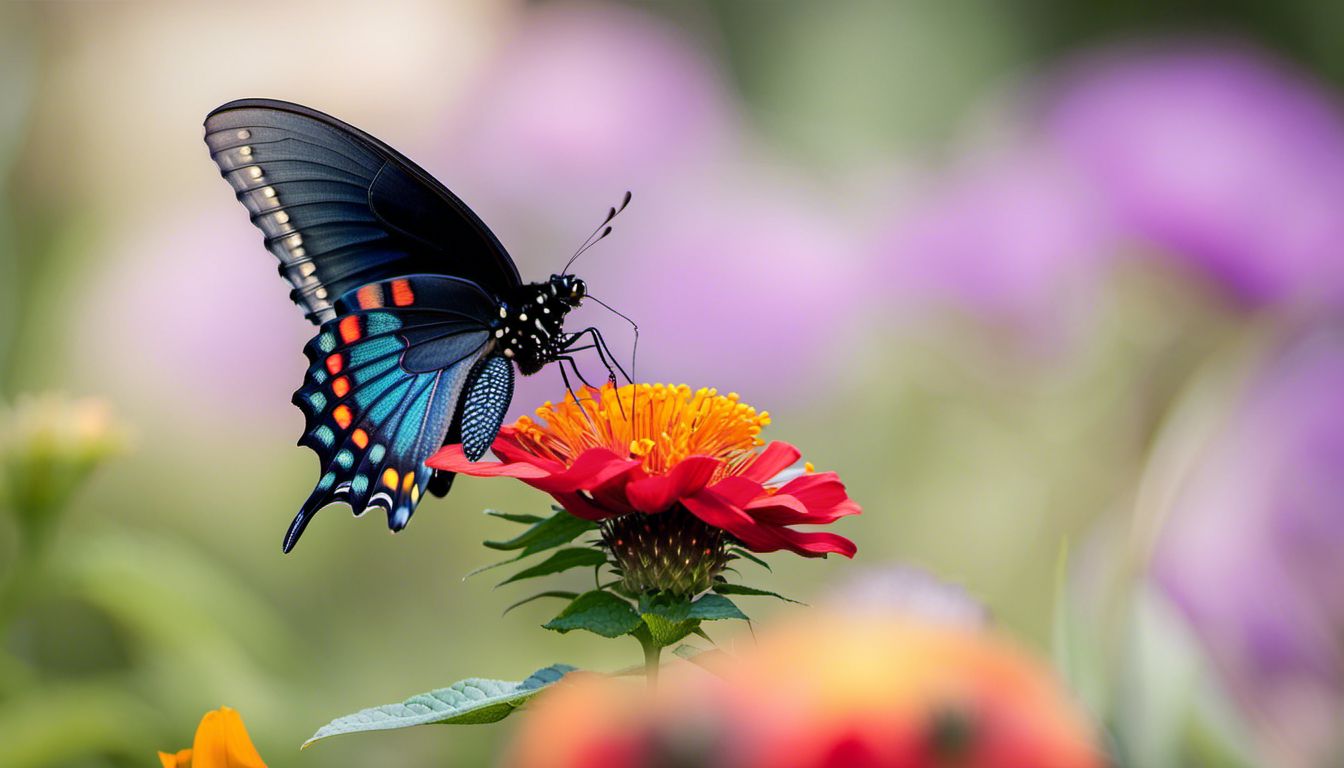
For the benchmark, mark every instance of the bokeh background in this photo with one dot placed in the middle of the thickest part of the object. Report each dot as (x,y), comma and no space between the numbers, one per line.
(1053,286)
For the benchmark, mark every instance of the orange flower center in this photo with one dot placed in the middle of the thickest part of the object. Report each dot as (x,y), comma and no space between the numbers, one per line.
(659,424)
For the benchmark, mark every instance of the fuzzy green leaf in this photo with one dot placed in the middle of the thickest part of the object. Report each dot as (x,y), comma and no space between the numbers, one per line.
(739,589)
(559,528)
(561,560)
(468,702)
(599,612)
(708,607)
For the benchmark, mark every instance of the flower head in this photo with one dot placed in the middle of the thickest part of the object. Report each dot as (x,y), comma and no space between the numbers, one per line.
(1250,553)
(48,446)
(221,742)
(827,691)
(1222,156)
(692,459)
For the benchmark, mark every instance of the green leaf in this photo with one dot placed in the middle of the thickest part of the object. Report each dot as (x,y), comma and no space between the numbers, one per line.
(739,589)
(473,701)
(566,594)
(740,552)
(601,613)
(562,560)
(708,607)
(711,607)
(514,518)
(559,528)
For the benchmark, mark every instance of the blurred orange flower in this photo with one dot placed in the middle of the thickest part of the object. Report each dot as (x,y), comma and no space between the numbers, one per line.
(221,742)
(828,692)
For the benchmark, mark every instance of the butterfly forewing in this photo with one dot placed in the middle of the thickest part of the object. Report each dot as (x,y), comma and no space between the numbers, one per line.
(341,209)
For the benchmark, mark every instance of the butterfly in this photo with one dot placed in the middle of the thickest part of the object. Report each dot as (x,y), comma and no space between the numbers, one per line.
(421,311)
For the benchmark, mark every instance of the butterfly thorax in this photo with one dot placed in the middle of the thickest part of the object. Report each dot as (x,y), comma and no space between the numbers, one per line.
(530,328)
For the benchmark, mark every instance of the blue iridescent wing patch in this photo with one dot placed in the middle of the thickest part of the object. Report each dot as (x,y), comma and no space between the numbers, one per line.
(383,385)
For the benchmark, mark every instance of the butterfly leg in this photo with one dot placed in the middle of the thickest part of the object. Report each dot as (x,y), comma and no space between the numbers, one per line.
(604,354)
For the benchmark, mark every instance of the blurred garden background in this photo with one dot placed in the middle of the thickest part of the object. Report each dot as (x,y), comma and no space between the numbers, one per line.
(1054,286)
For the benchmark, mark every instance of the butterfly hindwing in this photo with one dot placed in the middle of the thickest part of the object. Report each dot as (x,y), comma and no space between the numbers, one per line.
(371,418)
(341,209)
(487,397)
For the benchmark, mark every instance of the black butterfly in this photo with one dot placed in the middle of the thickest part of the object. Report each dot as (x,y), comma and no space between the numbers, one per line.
(422,312)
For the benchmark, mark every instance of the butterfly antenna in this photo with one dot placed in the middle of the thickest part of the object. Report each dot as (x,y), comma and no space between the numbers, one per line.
(598,234)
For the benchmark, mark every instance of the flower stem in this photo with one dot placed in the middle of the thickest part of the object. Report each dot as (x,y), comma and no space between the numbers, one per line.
(652,657)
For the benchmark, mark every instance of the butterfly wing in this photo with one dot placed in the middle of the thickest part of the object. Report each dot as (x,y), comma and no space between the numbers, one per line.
(383,387)
(341,209)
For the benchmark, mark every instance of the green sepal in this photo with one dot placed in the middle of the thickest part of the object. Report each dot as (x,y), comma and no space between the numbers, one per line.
(739,589)
(515,518)
(740,552)
(472,701)
(559,528)
(566,594)
(601,613)
(664,632)
(561,560)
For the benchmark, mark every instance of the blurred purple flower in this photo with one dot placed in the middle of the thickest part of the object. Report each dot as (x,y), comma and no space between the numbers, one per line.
(901,591)
(1227,159)
(584,101)
(745,285)
(192,319)
(1252,553)
(1016,238)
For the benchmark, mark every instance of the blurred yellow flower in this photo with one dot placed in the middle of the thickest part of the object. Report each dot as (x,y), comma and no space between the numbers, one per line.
(48,445)
(221,742)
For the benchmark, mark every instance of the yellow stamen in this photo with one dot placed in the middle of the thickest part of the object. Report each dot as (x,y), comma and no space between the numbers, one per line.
(659,424)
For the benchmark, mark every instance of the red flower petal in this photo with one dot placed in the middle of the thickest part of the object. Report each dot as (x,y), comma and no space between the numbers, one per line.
(714,510)
(776,458)
(813,502)
(578,506)
(816,543)
(451,458)
(592,468)
(657,493)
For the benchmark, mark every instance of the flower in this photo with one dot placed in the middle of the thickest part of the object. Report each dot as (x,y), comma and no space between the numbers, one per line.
(1018,237)
(664,468)
(583,100)
(48,446)
(828,691)
(1223,157)
(1250,554)
(221,742)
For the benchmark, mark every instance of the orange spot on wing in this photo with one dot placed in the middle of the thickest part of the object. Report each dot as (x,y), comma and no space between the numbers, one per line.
(360,437)
(407,482)
(342,415)
(390,478)
(339,387)
(402,295)
(370,296)
(334,363)
(350,328)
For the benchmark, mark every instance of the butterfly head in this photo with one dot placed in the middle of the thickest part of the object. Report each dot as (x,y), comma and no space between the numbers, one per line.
(569,289)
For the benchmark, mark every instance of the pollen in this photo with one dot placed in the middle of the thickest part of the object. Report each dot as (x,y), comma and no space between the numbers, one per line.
(659,424)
